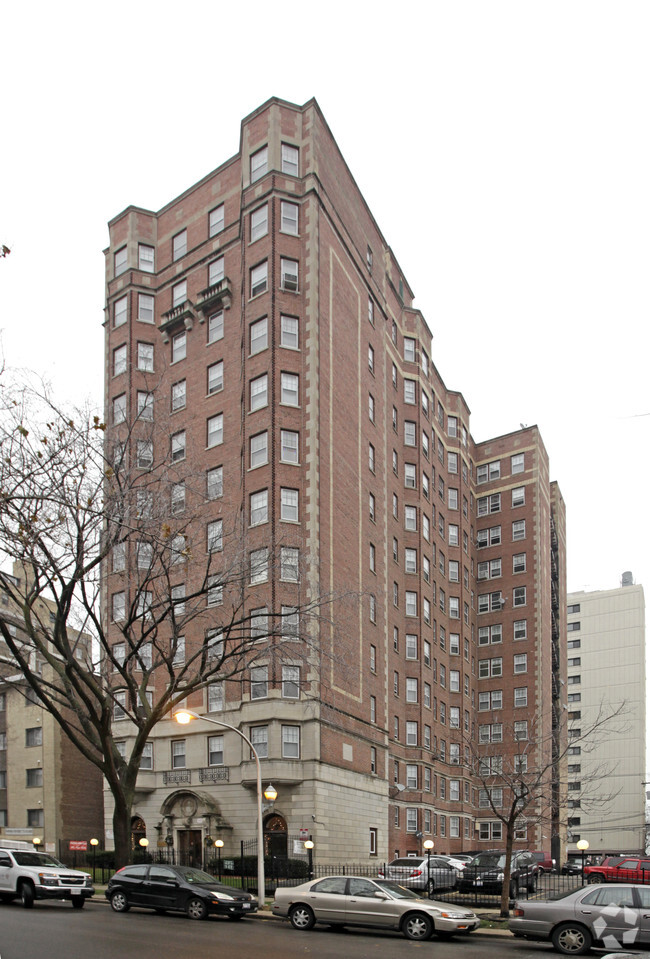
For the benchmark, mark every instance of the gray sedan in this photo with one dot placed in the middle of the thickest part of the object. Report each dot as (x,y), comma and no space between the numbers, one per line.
(611,916)
(357,901)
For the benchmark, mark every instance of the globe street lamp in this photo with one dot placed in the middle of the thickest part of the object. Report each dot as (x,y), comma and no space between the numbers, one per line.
(184,717)
(583,846)
(428,845)
(219,844)
(36,841)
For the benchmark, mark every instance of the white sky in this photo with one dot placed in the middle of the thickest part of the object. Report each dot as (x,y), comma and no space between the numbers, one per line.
(503,147)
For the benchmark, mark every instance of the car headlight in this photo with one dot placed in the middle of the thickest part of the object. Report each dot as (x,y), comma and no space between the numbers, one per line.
(454,915)
(48,879)
(221,895)
(500,877)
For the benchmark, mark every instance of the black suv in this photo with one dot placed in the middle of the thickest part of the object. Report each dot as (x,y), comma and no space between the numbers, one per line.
(485,873)
(177,889)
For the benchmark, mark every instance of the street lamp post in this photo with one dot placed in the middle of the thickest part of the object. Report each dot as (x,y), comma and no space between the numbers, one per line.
(309,846)
(219,844)
(583,846)
(185,716)
(94,843)
(428,845)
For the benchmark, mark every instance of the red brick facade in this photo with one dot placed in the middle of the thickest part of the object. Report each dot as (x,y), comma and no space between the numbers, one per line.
(392,507)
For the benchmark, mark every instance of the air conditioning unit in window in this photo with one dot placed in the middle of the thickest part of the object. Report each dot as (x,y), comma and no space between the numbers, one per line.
(290,282)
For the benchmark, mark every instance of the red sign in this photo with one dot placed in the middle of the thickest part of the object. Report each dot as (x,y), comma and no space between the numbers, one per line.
(79,845)
(304,834)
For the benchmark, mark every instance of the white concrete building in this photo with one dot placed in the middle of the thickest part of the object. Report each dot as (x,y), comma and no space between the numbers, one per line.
(605,671)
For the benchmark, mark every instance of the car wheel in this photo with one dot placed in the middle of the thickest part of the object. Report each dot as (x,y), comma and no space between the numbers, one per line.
(119,902)
(27,895)
(196,908)
(417,925)
(595,878)
(78,902)
(571,939)
(301,917)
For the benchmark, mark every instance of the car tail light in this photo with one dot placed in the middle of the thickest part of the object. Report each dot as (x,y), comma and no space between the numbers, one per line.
(416,872)
(518,912)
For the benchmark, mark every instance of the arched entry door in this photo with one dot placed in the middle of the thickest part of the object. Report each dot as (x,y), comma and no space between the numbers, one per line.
(138,831)
(275,838)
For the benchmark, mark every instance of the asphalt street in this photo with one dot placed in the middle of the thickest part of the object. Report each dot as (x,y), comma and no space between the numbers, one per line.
(56,931)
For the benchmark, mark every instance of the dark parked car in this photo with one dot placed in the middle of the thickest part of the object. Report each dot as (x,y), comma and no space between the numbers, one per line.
(572,867)
(609,916)
(485,873)
(177,889)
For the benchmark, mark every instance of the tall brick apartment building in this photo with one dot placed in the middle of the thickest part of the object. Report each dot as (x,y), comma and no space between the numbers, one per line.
(268,317)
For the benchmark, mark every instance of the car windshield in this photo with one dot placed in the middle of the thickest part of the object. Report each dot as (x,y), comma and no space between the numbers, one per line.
(36,859)
(195,875)
(489,860)
(396,891)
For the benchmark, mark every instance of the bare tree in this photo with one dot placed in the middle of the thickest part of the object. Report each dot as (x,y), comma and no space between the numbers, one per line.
(531,786)
(71,510)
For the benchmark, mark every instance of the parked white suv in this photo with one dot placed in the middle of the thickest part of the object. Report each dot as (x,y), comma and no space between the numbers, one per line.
(28,875)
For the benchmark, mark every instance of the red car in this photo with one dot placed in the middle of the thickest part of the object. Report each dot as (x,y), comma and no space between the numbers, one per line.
(620,869)
(544,861)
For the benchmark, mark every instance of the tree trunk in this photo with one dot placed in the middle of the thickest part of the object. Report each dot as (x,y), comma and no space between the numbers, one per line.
(123,799)
(505,890)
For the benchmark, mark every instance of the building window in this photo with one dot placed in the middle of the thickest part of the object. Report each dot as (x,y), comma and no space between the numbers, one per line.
(215,327)
(289,218)
(144,454)
(289,505)
(289,389)
(291,742)
(519,596)
(216,272)
(178,754)
(520,630)
(259,222)
(259,164)
(35,818)
(259,450)
(289,332)
(179,395)
(119,409)
(290,682)
(120,263)
(120,311)
(216,220)
(517,463)
(260,740)
(519,496)
(215,430)
(258,392)
(179,293)
(259,560)
(521,663)
(409,349)
(179,245)
(179,347)
(178,446)
(146,258)
(215,697)
(371,457)
(214,483)
(289,274)
(215,536)
(119,360)
(145,405)
(259,682)
(411,734)
(519,563)
(259,278)
(259,507)
(290,158)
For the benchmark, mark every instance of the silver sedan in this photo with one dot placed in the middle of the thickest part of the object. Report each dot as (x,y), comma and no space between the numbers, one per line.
(611,916)
(357,901)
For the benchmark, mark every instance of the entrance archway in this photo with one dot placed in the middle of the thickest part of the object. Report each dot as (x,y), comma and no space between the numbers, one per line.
(275,837)
(138,831)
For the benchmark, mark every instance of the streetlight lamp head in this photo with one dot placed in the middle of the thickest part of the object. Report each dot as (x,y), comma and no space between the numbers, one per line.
(37,840)
(219,843)
(270,793)
(309,844)
(428,843)
(184,716)
(94,842)
(144,842)
(583,844)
